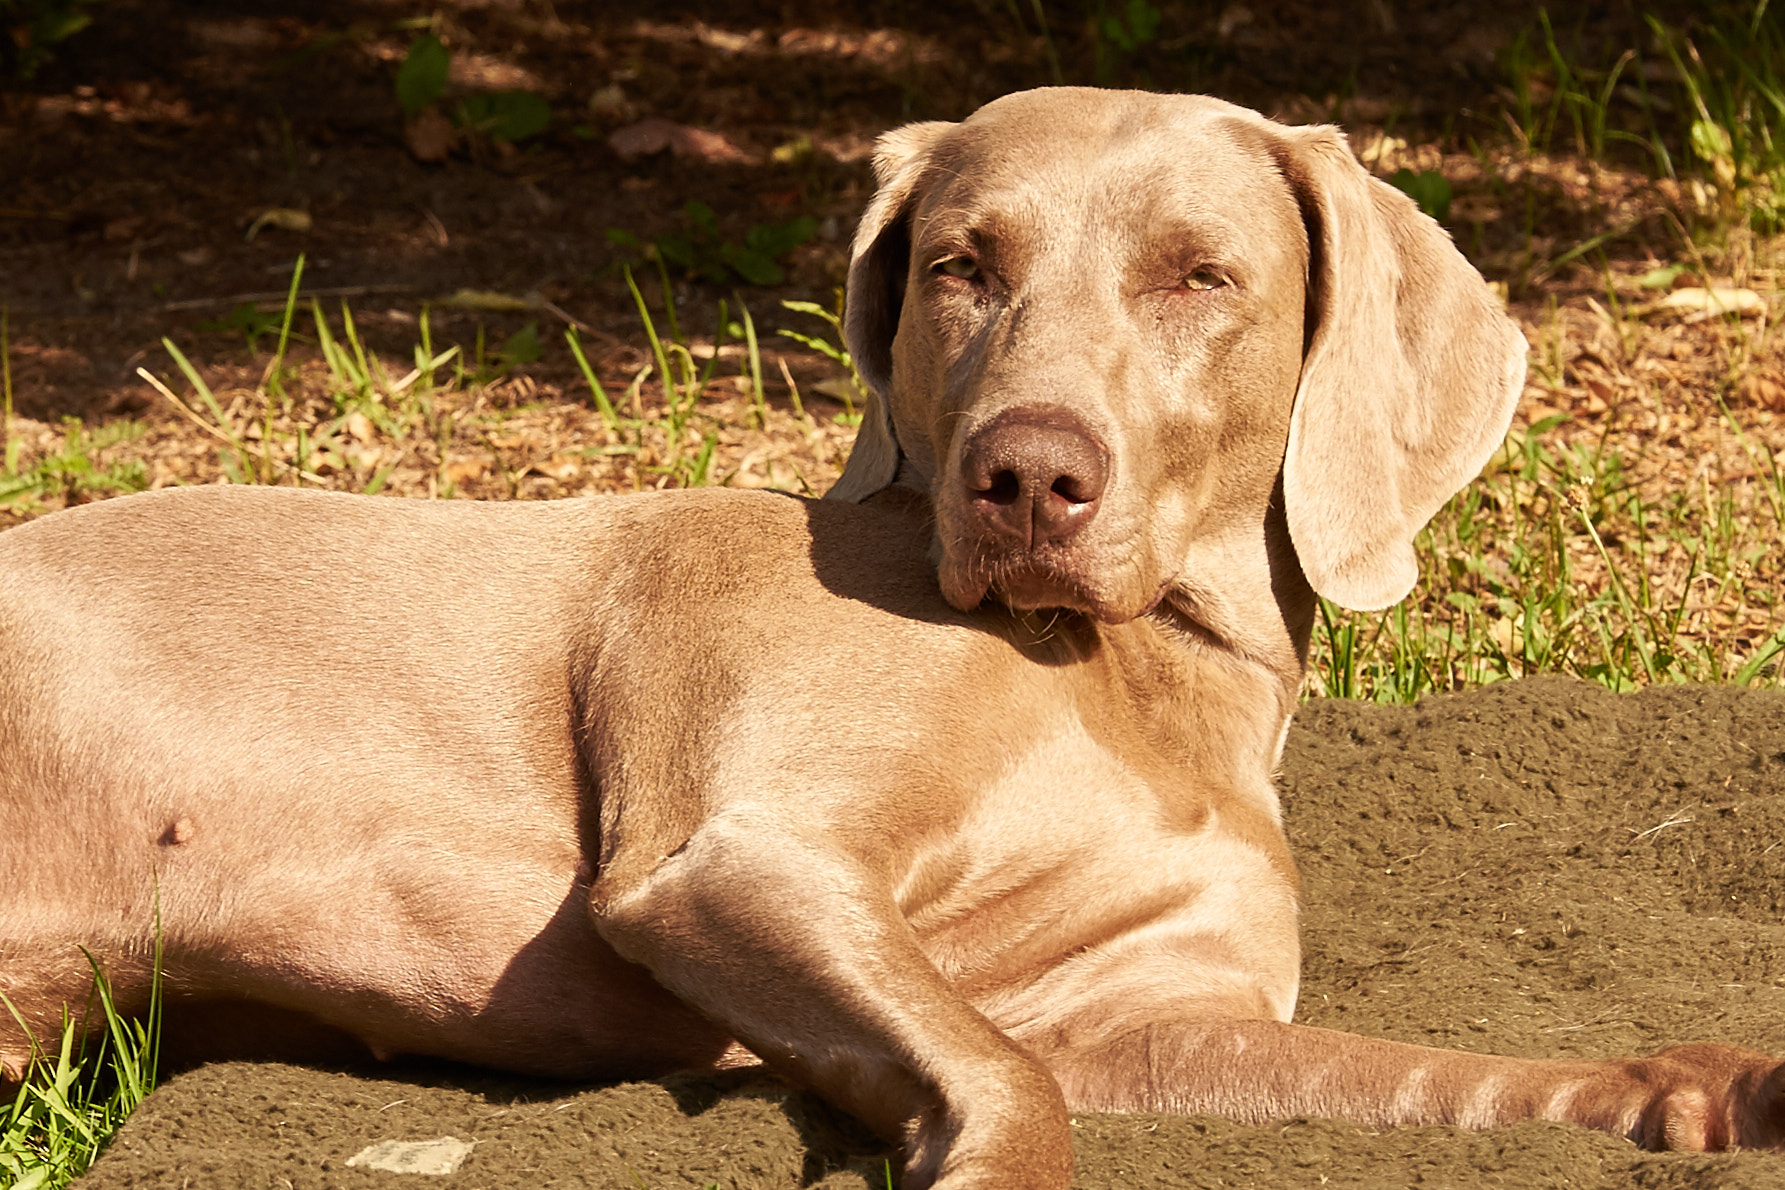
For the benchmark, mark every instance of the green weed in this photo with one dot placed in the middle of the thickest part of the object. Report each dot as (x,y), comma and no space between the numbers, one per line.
(703,252)
(30,31)
(1734,88)
(1118,32)
(1554,563)
(74,472)
(849,388)
(1429,188)
(1714,96)
(507,116)
(684,382)
(70,1104)
(9,446)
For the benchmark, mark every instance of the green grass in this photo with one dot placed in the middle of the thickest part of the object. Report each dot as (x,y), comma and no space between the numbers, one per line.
(74,1098)
(1703,102)
(1553,562)
(76,470)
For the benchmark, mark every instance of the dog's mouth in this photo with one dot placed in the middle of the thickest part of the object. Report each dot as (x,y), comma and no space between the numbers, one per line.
(1037,584)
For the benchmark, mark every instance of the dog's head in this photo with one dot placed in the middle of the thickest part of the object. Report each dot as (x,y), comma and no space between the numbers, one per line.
(1107,330)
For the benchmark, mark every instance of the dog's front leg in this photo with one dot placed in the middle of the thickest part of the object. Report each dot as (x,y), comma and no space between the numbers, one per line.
(1695,1097)
(799,950)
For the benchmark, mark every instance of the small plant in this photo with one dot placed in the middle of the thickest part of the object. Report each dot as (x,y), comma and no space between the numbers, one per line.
(9,446)
(69,1105)
(247,320)
(1736,98)
(1429,188)
(703,252)
(1718,103)
(1121,30)
(30,31)
(503,116)
(684,383)
(850,388)
(73,472)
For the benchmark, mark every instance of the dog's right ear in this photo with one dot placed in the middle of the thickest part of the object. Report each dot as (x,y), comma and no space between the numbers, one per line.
(878,265)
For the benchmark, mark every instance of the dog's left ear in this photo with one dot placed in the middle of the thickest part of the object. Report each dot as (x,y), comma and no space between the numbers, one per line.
(1409,379)
(878,264)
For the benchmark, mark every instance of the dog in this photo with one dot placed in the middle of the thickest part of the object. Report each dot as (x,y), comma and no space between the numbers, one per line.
(950,797)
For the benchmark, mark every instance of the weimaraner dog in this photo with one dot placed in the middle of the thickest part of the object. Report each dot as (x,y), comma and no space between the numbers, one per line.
(950,797)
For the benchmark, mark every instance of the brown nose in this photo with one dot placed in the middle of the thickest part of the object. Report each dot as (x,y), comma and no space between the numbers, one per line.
(1034,475)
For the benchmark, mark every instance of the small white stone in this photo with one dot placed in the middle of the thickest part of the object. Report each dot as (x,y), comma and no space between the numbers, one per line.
(438,1157)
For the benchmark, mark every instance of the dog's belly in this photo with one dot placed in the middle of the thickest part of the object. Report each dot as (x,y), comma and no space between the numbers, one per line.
(450,947)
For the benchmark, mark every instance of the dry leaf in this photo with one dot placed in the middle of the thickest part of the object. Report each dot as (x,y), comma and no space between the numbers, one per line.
(1599,394)
(486,299)
(430,136)
(560,468)
(464,470)
(123,227)
(1699,303)
(1767,390)
(283,218)
(656,134)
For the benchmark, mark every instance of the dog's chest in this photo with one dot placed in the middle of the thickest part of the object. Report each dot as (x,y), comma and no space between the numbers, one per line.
(1067,846)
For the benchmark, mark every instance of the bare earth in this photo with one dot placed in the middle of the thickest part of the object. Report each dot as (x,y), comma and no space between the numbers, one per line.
(1536,868)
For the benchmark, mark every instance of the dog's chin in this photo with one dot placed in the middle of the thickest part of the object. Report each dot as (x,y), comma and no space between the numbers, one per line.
(1032,588)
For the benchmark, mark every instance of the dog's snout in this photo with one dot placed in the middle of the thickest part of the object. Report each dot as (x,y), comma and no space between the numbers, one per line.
(1035,475)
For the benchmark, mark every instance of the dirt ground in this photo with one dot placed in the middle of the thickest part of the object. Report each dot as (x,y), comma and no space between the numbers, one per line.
(1536,868)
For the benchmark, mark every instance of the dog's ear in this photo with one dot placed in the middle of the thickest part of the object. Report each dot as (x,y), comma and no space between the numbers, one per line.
(1409,377)
(878,265)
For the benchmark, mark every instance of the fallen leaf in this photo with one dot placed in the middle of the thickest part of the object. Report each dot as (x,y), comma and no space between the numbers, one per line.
(1699,303)
(560,468)
(430,135)
(465,470)
(485,299)
(283,218)
(360,426)
(1765,390)
(1599,395)
(655,134)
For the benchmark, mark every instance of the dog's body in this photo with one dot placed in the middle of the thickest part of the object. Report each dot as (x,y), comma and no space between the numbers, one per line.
(607,787)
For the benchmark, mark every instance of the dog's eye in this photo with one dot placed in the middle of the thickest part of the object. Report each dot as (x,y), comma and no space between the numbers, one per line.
(1202,279)
(963,267)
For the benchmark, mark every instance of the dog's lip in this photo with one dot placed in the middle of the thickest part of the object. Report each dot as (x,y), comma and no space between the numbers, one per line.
(1053,578)
(1032,587)
(1035,585)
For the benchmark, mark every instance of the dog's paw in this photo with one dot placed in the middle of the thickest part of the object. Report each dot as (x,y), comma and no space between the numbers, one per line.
(1707,1098)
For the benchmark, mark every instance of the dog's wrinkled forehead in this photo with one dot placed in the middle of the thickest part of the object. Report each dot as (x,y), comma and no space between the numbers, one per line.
(1105,164)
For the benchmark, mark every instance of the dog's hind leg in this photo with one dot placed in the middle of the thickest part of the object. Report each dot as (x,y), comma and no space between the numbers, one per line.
(46,989)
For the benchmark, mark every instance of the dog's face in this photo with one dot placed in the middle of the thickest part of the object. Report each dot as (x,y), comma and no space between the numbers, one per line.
(1088,316)
(1094,367)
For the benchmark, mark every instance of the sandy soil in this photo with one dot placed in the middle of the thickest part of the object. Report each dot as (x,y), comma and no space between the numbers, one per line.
(1537,868)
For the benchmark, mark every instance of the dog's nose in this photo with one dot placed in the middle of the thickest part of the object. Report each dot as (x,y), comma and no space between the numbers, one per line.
(1034,475)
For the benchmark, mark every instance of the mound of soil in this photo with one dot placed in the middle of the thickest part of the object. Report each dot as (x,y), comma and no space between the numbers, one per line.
(1537,868)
